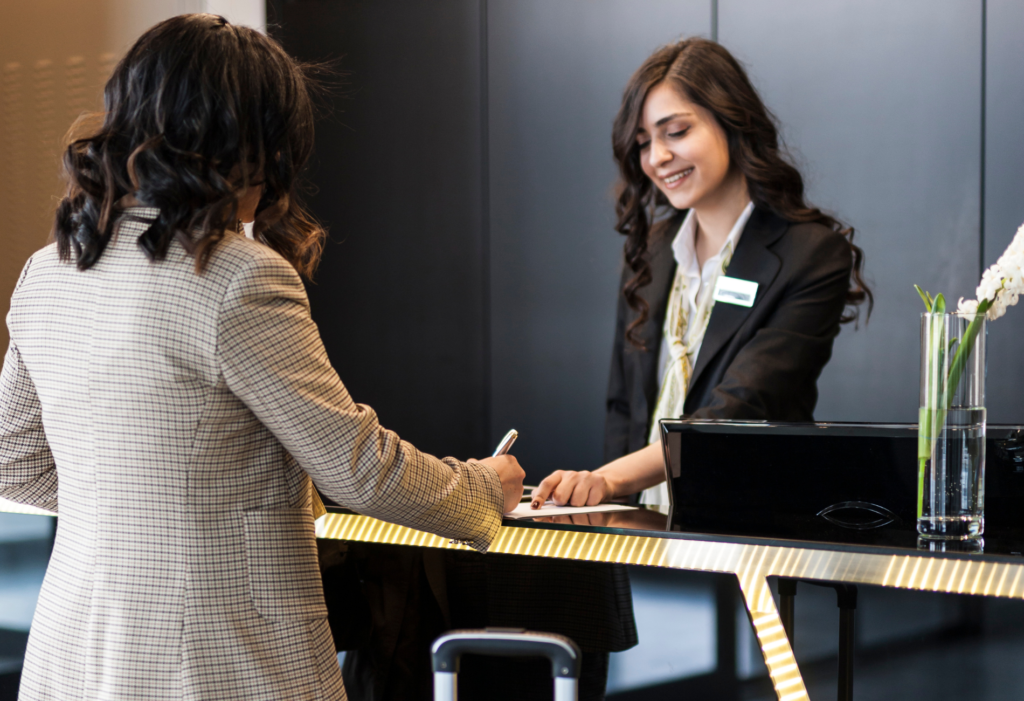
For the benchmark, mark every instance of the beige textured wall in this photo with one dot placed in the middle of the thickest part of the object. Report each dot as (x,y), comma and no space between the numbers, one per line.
(55,56)
(53,60)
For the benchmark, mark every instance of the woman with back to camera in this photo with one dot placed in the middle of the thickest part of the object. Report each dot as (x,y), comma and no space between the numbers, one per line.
(707,197)
(165,378)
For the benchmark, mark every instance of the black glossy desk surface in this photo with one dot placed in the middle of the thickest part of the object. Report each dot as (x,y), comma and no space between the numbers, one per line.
(815,533)
(996,545)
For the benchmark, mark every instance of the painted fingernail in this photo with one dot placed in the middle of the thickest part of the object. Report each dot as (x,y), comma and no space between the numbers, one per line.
(534,504)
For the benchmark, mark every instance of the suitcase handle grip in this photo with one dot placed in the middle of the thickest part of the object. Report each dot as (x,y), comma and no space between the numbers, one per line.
(563,653)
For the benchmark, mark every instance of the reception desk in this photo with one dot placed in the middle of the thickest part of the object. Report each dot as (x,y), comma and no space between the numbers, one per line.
(813,550)
(891,556)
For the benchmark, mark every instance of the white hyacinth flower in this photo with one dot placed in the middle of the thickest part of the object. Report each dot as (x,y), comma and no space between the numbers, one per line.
(997,309)
(1003,283)
(991,283)
(967,306)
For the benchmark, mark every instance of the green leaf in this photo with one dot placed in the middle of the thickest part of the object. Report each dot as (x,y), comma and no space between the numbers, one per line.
(939,305)
(925,297)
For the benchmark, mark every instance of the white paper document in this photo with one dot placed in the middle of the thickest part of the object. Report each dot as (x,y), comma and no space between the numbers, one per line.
(550,509)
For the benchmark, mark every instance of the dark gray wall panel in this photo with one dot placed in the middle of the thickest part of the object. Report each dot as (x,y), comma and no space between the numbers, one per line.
(557,70)
(881,103)
(1004,197)
(399,296)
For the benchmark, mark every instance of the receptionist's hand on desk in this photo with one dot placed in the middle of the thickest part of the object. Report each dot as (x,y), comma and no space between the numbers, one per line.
(627,475)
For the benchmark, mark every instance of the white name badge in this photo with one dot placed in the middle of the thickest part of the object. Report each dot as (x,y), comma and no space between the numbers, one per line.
(732,290)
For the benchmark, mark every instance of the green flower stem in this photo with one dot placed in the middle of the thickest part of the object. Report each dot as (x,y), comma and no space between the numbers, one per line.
(930,418)
(956,370)
(921,464)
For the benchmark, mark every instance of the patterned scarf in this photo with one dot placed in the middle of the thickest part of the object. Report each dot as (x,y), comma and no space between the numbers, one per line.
(683,340)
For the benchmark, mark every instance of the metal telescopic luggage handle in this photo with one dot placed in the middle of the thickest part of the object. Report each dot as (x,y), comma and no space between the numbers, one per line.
(562,652)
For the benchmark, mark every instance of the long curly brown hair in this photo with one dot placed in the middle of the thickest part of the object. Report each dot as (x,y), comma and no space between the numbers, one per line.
(707,75)
(197,111)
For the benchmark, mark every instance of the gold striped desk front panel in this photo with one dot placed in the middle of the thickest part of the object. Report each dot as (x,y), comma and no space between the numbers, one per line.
(752,565)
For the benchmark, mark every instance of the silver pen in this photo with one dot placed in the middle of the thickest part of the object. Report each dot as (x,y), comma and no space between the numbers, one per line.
(506,443)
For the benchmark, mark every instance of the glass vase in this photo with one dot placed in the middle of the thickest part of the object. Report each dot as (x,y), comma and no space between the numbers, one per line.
(951,427)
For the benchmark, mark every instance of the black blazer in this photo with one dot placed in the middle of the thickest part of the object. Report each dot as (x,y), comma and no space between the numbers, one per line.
(759,362)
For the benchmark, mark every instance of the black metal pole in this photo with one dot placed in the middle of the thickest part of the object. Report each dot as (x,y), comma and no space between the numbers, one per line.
(846,594)
(846,637)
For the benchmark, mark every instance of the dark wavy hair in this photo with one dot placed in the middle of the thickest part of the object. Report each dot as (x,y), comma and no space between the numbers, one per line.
(198,111)
(707,75)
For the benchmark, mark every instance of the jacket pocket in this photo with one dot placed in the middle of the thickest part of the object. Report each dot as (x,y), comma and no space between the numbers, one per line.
(284,573)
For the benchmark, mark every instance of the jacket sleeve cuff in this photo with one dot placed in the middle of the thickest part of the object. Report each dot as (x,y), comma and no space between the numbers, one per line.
(490,493)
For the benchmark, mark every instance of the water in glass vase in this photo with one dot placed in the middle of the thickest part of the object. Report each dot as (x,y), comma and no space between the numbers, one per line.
(953,479)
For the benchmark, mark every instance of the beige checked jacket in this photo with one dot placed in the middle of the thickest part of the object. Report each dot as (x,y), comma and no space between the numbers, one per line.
(177,418)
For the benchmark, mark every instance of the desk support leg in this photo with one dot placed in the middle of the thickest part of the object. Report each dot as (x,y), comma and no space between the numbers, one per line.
(726,599)
(846,598)
(846,638)
(771,635)
(787,607)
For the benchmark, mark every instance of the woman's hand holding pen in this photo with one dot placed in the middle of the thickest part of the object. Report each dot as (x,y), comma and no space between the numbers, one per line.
(511,476)
(577,488)
(509,472)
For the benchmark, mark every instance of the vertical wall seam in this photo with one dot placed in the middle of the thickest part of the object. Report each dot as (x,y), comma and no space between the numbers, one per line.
(984,99)
(485,226)
(714,20)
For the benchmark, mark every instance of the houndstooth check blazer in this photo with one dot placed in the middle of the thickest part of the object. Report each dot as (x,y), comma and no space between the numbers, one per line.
(179,417)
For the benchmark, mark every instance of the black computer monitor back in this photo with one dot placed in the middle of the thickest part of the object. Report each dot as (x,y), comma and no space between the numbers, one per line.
(859,476)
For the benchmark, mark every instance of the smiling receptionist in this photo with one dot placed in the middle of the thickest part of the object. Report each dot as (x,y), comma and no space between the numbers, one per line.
(731,299)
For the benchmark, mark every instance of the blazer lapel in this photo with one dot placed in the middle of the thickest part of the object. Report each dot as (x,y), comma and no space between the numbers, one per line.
(751,261)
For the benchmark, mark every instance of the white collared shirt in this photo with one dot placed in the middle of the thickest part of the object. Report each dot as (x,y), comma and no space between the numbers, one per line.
(700,280)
